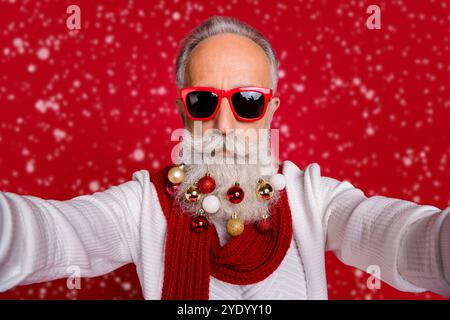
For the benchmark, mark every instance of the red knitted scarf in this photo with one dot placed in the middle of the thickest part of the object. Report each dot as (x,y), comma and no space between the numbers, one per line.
(191,258)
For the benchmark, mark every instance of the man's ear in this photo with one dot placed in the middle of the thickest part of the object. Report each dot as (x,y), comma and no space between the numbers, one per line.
(275,104)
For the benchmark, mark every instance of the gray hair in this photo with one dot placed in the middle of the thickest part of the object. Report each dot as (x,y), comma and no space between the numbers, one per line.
(217,25)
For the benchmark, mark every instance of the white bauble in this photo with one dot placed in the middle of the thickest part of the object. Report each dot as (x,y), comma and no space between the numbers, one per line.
(278,181)
(211,204)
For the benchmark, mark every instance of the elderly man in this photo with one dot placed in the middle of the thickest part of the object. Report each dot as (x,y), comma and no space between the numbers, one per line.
(230,229)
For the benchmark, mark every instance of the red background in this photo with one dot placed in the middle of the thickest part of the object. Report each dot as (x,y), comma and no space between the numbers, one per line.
(80,111)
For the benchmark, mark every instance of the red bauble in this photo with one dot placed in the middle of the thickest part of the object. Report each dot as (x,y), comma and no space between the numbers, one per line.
(206,184)
(199,224)
(235,194)
(264,225)
(172,188)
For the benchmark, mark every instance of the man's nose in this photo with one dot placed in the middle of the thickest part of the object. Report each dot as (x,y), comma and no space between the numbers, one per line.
(224,118)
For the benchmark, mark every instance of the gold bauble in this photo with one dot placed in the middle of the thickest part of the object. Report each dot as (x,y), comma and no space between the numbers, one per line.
(264,190)
(192,194)
(176,174)
(235,226)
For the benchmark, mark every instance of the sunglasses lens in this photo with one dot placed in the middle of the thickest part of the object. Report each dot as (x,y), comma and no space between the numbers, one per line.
(201,104)
(248,104)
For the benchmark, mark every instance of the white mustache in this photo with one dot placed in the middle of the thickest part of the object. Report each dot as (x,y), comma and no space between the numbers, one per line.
(213,141)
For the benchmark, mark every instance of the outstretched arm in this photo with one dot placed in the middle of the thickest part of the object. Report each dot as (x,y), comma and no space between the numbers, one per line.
(409,243)
(40,239)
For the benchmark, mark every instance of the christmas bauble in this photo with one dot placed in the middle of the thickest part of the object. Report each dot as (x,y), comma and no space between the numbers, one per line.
(278,181)
(172,188)
(235,194)
(265,225)
(264,190)
(199,223)
(206,184)
(192,194)
(235,226)
(176,174)
(211,204)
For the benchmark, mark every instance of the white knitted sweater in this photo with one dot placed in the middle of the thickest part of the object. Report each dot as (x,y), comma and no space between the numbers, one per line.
(409,244)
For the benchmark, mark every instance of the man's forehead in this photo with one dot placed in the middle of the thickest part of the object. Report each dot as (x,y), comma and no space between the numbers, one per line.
(218,63)
(234,74)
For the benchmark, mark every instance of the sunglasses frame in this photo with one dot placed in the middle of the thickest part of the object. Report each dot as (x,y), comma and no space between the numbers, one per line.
(266,92)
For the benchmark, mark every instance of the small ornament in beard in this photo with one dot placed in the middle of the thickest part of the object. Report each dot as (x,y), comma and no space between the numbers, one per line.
(228,159)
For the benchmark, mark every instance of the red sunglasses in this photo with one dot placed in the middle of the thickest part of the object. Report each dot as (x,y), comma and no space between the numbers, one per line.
(247,103)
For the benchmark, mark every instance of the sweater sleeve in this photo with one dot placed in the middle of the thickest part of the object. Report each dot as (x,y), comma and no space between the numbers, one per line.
(42,240)
(408,243)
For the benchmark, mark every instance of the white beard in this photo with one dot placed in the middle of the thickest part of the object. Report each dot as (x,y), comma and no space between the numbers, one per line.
(252,208)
